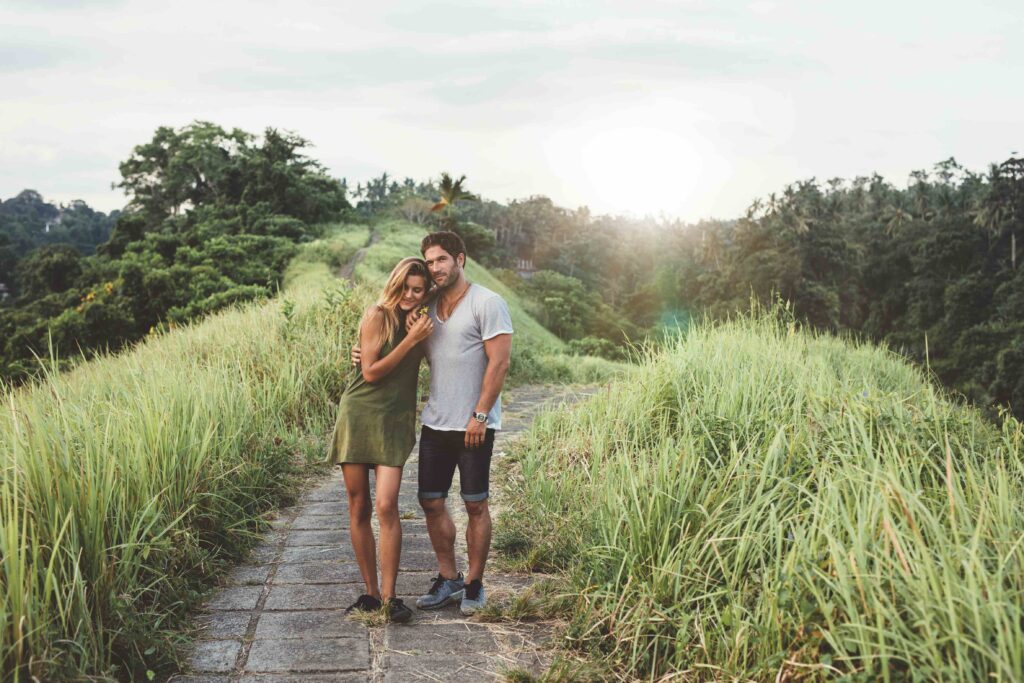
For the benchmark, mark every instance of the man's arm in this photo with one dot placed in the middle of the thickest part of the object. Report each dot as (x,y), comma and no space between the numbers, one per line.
(499,353)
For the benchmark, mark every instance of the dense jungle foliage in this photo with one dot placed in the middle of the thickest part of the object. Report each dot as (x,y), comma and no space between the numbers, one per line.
(931,269)
(213,218)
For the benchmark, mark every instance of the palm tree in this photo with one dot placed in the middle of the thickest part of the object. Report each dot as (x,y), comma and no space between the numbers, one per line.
(452,193)
(997,210)
(895,217)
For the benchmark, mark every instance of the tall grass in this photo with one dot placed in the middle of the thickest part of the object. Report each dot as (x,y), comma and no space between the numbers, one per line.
(760,502)
(318,260)
(127,482)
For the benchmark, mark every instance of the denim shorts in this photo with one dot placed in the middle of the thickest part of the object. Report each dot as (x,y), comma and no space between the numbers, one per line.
(441,452)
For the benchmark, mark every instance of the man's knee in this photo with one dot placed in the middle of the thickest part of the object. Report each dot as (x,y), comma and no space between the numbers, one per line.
(476,508)
(432,506)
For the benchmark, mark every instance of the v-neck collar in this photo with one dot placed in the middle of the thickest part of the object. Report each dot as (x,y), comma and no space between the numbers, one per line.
(458,304)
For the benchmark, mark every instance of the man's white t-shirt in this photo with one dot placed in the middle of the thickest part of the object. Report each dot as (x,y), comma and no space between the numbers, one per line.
(455,352)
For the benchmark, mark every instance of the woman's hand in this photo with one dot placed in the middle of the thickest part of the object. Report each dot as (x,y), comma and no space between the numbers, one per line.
(413,316)
(421,329)
(357,354)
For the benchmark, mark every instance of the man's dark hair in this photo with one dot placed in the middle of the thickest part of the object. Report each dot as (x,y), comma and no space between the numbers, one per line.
(447,240)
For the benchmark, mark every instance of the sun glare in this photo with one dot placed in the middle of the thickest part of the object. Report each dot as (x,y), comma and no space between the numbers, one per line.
(640,161)
(640,169)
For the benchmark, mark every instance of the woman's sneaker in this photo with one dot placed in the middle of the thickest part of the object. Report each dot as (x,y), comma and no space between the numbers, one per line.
(397,611)
(365,603)
(443,592)
(474,598)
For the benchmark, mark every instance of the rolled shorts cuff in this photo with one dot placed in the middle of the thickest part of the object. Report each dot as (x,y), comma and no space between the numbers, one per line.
(432,495)
(475,497)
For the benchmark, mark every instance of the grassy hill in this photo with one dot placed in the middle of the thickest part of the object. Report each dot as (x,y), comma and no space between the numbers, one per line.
(399,239)
(762,503)
(129,481)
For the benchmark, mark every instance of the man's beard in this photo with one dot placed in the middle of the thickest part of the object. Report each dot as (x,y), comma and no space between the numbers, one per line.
(448,280)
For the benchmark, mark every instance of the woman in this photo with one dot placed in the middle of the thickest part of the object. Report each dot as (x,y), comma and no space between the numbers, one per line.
(376,429)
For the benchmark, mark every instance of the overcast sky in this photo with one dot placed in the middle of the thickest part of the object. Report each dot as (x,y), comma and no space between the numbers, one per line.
(690,109)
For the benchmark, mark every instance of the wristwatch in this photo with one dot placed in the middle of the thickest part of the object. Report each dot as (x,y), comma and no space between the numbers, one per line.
(480,417)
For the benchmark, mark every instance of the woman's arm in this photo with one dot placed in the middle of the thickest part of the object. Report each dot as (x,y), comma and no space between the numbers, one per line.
(375,368)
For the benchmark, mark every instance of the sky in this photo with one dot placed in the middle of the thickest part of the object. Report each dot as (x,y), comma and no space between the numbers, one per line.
(684,109)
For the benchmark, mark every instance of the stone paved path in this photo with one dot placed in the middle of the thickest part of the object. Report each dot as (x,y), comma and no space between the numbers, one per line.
(280,616)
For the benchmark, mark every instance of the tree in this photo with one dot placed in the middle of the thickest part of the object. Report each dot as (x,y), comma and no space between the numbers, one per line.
(48,270)
(181,169)
(452,194)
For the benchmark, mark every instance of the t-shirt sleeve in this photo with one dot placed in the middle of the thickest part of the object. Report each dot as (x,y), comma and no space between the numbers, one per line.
(495,318)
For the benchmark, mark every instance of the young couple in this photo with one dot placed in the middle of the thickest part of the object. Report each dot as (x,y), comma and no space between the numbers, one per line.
(466,337)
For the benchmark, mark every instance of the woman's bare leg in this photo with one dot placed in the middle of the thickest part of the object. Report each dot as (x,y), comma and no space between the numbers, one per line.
(389,481)
(357,484)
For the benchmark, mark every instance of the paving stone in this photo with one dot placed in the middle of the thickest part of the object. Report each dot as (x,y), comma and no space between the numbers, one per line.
(235,598)
(324,494)
(329,508)
(222,625)
(214,656)
(417,544)
(442,638)
(273,537)
(347,677)
(309,624)
(318,572)
(330,537)
(198,678)
(414,583)
(262,553)
(279,522)
(321,596)
(337,553)
(249,575)
(309,654)
(320,522)
(417,561)
(418,666)
(449,638)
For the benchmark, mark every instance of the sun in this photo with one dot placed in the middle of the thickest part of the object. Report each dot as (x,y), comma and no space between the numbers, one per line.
(640,169)
(637,161)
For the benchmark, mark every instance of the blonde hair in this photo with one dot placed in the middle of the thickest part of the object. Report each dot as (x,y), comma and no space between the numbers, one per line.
(382,318)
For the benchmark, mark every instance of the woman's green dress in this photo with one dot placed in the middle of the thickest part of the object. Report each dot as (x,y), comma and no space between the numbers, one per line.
(377,421)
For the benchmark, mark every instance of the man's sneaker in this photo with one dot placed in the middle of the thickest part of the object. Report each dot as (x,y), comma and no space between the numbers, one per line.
(365,603)
(397,611)
(443,592)
(474,598)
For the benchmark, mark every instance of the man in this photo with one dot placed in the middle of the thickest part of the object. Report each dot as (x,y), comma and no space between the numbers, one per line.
(468,354)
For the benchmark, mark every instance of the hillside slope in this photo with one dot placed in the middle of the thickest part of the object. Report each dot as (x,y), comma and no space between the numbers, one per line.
(537,354)
(132,480)
(399,239)
(758,502)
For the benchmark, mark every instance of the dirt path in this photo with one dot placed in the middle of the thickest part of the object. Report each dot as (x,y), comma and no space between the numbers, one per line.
(349,269)
(280,616)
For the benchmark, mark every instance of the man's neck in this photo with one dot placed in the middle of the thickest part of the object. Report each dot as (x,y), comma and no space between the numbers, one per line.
(450,294)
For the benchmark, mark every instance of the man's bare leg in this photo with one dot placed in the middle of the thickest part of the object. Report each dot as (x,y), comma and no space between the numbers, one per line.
(478,538)
(442,534)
